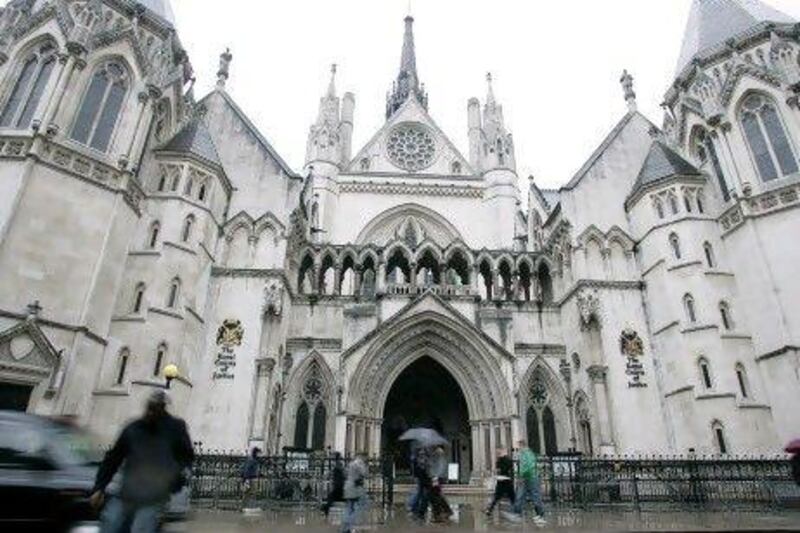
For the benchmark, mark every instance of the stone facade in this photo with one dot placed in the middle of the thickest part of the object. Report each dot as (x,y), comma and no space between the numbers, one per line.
(643,307)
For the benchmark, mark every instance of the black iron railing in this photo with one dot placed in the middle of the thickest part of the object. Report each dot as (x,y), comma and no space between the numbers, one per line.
(569,481)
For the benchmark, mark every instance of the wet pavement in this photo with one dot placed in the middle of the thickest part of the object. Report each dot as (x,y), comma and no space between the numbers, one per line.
(468,517)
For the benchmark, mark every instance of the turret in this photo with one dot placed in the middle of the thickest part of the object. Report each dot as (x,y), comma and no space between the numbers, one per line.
(474,133)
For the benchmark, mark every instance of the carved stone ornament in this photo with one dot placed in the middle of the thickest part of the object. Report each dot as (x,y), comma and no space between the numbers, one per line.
(273,298)
(630,344)
(588,306)
(230,333)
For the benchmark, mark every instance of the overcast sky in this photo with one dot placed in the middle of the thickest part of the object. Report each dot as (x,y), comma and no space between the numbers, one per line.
(556,64)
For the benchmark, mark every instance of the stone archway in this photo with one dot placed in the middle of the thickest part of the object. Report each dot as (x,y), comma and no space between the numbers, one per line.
(545,409)
(479,366)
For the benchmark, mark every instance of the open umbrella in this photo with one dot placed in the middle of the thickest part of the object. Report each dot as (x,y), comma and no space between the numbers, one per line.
(793,447)
(425,437)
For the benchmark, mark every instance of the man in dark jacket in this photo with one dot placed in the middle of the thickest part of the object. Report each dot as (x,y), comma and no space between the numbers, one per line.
(153,452)
(249,477)
(336,494)
(504,487)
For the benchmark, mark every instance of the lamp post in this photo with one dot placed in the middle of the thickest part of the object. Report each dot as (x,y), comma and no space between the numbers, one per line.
(170,372)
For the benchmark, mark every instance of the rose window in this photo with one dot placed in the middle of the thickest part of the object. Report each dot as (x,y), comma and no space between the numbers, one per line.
(411,147)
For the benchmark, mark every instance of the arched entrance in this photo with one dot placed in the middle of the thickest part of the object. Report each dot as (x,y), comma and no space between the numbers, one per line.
(425,394)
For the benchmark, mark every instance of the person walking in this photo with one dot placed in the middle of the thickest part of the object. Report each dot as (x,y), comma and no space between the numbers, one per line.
(441,509)
(355,492)
(387,471)
(530,489)
(504,485)
(422,472)
(336,494)
(249,476)
(153,451)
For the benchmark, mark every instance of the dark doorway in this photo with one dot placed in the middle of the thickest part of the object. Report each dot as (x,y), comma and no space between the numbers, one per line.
(15,397)
(425,394)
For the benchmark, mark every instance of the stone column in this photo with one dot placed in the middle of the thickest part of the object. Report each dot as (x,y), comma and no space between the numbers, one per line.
(337,279)
(144,104)
(73,63)
(358,272)
(597,374)
(475,280)
(258,403)
(413,280)
(477,449)
(380,275)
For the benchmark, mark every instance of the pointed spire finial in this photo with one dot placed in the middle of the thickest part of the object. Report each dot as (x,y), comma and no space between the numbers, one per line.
(490,92)
(407,83)
(627,87)
(332,84)
(224,71)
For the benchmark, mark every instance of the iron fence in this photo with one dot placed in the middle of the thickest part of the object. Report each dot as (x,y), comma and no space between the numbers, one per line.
(570,481)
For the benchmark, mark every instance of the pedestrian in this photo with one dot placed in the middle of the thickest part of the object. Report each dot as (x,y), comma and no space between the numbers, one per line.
(796,467)
(413,498)
(387,471)
(422,473)
(355,492)
(154,451)
(249,476)
(336,494)
(530,489)
(504,480)
(440,507)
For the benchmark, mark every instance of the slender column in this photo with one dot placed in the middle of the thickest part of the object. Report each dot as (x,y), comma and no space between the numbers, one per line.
(725,128)
(144,104)
(413,276)
(73,63)
(475,431)
(348,447)
(64,59)
(358,273)
(337,279)
(474,280)
(496,294)
(380,282)
(597,374)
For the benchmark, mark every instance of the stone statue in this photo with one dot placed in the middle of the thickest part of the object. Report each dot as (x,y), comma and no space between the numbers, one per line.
(273,298)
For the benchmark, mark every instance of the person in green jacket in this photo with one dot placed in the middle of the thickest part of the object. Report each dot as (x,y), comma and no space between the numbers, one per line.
(529,478)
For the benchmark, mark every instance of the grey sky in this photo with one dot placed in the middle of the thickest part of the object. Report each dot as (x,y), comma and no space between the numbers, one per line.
(556,64)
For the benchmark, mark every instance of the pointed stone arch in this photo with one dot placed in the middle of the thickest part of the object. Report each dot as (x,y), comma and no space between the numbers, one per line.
(544,407)
(383,227)
(311,384)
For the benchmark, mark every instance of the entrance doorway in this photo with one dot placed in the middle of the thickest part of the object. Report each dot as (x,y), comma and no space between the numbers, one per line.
(425,394)
(14,397)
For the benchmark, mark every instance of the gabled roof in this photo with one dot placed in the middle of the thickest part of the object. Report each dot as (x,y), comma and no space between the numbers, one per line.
(194,139)
(253,130)
(712,22)
(610,138)
(661,163)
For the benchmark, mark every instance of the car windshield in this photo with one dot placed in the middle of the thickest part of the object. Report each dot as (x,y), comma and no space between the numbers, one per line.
(76,446)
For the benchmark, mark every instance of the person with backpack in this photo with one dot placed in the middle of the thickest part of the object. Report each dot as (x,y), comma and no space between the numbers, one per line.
(529,487)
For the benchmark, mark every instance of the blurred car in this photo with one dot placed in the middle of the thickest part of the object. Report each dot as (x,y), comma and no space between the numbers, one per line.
(47,471)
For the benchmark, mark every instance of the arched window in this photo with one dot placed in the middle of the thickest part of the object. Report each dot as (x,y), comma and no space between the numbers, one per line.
(99,112)
(201,194)
(673,203)
(161,353)
(705,373)
(318,428)
(659,208)
(315,215)
(741,378)
(455,167)
(187,189)
(688,305)
(364,164)
(301,426)
(29,87)
(701,207)
(725,315)
(544,284)
(766,137)
(305,276)
(187,228)
(138,298)
(675,243)
(687,201)
(709,251)
(176,180)
(718,431)
(705,151)
(152,239)
(162,182)
(174,293)
(122,366)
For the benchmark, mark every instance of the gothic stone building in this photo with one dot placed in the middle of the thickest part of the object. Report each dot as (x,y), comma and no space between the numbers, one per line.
(646,306)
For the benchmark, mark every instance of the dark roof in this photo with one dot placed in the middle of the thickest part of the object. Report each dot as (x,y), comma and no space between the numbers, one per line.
(194,138)
(662,162)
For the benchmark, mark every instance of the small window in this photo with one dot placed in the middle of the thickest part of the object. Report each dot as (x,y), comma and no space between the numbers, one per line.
(101,107)
(701,208)
(122,365)
(675,243)
(162,182)
(364,164)
(161,352)
(725,316)
(673,204)
(174,293)
(688,304)
(659,208)
(186,233)
(455,168)
(705,373)
(741,378)
(687,202)
(152,240)
(719,437)
(709,251)
(138,298)
(176,180)
(201,194)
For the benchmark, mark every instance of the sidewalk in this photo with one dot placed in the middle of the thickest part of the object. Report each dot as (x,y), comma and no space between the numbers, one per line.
(470,518)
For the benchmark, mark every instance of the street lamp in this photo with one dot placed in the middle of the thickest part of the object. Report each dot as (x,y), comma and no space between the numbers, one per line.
(171,372)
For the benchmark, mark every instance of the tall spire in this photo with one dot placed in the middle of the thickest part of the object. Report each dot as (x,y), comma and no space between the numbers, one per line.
(712,22)
(407,83)
(332,84)
(490,93)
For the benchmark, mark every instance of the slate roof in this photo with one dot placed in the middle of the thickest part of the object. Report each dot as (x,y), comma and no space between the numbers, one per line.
(712,22)
(195,139)
(662,162)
